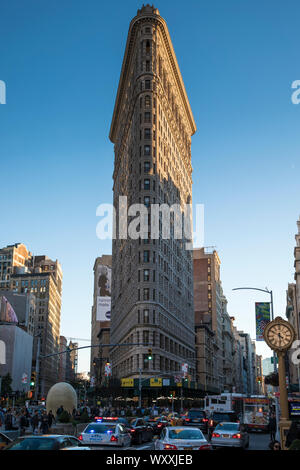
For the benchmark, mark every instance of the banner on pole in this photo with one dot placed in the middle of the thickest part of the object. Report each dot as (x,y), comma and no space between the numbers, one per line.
(262,315)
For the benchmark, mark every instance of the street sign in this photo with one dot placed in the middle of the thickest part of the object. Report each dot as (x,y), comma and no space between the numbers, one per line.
(156,382)
(126,382)
(24,378)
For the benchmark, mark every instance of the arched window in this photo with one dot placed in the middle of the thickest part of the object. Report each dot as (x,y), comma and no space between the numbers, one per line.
(147,101)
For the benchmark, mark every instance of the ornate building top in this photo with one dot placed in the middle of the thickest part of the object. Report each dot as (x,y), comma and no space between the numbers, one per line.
(146,9)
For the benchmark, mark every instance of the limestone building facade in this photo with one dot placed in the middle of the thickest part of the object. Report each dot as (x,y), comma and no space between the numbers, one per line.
(152,278)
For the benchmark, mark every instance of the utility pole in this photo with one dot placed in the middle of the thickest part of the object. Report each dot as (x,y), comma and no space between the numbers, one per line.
(140,387)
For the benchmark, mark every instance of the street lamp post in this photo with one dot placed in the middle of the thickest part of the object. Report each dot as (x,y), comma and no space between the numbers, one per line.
(274,355)
(272,309)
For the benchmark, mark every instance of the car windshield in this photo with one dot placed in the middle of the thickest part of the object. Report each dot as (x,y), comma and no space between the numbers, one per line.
(185,434)
(222,417)
(34,443)
(196,414)
(227,427)
(100,428)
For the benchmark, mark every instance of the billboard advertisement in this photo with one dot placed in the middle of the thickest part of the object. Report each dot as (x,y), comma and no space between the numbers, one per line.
(7,313)
(103,290)
(262,315)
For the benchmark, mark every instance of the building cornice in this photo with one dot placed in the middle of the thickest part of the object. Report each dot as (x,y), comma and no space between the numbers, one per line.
(131,39)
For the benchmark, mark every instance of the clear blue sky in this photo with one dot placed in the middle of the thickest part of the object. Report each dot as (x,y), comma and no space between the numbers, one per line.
(61,62)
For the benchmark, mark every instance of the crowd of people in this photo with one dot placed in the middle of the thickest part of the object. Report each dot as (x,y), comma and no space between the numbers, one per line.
(21,419)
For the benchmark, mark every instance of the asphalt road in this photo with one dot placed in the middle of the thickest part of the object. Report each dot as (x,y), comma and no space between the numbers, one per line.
(258,441)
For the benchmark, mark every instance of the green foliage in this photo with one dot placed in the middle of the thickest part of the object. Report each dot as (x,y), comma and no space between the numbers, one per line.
(6,384)
(64,417)
(84,417)
(272,379)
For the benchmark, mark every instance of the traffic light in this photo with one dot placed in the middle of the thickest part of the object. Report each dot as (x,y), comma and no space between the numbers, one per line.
(150,354)
(258,380)
(33,379)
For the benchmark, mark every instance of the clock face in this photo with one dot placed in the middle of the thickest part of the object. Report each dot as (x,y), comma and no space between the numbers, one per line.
(279,336)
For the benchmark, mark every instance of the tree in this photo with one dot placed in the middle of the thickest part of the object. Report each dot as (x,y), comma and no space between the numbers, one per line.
(6,385)
(272,379)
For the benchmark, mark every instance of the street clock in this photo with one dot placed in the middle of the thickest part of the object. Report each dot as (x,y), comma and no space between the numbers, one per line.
(279,334)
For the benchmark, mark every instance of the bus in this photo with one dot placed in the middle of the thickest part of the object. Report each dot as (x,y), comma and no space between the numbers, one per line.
(253,410)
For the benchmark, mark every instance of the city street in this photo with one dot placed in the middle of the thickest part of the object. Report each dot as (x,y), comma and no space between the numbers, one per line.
(258,441)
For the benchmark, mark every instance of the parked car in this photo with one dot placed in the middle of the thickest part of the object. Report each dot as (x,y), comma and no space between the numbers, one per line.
(46,442)
(140,431)
(105,434)
(181,438)
(221,417)
(197,417)
(230,435)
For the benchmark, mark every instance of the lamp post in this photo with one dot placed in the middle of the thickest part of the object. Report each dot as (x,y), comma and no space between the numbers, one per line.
(274,355)
(272,309)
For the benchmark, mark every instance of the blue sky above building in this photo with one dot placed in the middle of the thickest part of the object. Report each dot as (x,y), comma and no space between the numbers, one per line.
(61,63)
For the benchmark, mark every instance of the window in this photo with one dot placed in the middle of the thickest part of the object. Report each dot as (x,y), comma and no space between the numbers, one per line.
(147,149)
(146,184)
(146,275)
(146,361)
(147,201)
(146,294)
(147,116)
(146,256)
(147,101)
(147,84)
(146,320)
(147,133)
(146,167)
(147,65)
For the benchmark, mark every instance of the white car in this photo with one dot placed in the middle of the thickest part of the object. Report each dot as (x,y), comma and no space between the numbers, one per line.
(230,435)
(105,434)
(181,438)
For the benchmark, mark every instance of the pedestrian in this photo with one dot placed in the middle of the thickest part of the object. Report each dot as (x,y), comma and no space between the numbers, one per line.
(59,410)
(272,426)
(292,434)
(275,445)
(51,418)
(8,421)
(2,417)
(35,422)
(44,423)
(23,423)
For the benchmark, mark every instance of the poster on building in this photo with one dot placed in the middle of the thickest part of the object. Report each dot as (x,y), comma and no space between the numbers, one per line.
(184,369)
(103,292)
(107,370)
(262,315)
(7,313)
(103,308)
